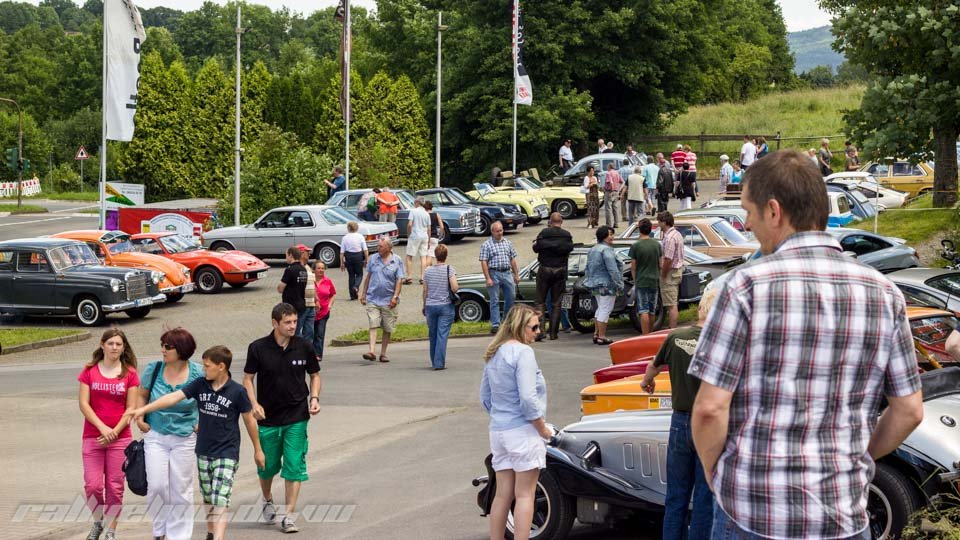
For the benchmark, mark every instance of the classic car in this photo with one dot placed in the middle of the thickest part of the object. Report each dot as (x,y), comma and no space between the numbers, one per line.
(933,287)
(509,215)
(114,248)
(735,215)
(56,276)
(886,254)
(867,185)
(712,236)
(575,174)
(845,206)
(622,371)
(459,220)
(210,269)
(533,205)
(860,206)
(901,175)
(840,212)
(611,467)
(930,328)
(622,395)
(566,200)
(637,347)
(320,227)
(475,305)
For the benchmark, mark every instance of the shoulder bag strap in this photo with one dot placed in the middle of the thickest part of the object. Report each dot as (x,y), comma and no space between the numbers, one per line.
(153,378)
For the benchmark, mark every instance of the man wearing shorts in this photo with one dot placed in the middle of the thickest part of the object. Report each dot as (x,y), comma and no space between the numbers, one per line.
(282,405)
(671,266)
(380,293)
(645,268)
(418,238)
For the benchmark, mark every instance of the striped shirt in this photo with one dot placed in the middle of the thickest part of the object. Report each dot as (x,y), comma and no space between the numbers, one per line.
(808,341)
(437,283)
(692,161)
(678,157)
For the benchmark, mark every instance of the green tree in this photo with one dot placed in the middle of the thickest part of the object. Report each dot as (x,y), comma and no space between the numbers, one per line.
(161,40)
(911,108)
(818,77)
(36,147)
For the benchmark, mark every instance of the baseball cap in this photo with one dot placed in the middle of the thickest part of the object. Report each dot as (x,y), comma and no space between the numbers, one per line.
(302,247)
(724,157)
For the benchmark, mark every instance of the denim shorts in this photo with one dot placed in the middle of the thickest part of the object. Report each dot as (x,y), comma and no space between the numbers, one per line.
(647,300)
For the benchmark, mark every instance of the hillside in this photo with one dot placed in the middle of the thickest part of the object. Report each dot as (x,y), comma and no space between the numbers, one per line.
(811,48)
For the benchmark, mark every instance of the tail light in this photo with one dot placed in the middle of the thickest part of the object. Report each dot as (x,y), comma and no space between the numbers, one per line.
(371,237)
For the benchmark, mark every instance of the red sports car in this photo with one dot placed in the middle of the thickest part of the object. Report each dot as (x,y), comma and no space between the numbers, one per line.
(635,348)
(210,269)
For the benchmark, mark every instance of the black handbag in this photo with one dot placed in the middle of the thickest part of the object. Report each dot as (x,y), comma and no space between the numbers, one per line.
(454,296)
(135,461)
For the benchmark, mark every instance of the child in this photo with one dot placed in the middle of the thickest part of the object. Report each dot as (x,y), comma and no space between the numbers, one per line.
(221,401)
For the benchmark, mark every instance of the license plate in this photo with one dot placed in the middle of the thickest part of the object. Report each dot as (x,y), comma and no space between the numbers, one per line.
(142,302)
(661,403)
(566,301)
(187,287)
(260,275)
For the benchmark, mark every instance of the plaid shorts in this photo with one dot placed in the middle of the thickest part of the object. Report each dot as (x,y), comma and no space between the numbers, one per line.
(216,479)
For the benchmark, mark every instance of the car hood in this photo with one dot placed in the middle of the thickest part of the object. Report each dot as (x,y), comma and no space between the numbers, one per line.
(101,270)
(238,259)
(227,232)
(934,437)
(647,421)
(472,280)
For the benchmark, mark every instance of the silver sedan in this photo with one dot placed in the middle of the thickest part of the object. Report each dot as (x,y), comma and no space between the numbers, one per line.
(935,287)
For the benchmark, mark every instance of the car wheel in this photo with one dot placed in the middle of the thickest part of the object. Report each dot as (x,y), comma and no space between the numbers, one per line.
(220,246)
(565,208)
(447,237)
(582,309)
(472,309)
(173,298)
(483,226)
(239,285)
(138,313)
(660,316)
(208,280)
(891,500)
(88,311)
(553,512)
(328,254)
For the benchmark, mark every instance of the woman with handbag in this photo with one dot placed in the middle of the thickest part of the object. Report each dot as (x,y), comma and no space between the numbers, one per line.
(169,436)
(437,232)
(439,298)
(324,291)
(108,386)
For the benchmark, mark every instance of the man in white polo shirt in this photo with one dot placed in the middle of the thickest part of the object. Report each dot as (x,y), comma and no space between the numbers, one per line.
(418,238)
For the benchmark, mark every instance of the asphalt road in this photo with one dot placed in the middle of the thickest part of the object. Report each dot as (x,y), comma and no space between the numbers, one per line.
(399,441)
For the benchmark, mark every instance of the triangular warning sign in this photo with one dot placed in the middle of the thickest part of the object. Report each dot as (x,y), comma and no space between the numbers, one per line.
(82,154)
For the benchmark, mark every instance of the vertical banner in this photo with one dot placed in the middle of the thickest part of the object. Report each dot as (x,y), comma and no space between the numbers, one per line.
(123,37)
(345,44)
(522,90)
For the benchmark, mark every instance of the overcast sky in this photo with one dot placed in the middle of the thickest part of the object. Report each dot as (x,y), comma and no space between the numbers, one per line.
(799,14)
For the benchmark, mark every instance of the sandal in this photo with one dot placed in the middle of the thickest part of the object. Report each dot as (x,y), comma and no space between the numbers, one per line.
(383,358)
(369,356)
(603,341)
(408,281)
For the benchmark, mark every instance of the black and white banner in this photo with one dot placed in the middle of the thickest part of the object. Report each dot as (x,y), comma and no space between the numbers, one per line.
(522,89)
(124,36)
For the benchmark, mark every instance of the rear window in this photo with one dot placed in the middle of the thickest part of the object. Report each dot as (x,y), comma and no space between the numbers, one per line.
(933,330)
(949,284)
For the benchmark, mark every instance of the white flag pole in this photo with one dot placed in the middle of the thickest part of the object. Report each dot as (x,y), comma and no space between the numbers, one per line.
(347,45)
(103,128)
(513,168)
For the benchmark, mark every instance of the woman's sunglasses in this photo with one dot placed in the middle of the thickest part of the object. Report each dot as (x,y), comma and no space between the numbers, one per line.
(534,328)
(167,346)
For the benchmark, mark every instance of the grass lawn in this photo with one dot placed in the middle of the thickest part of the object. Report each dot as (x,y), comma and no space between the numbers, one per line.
(918,222)
(73,196)
(24,209)
(10,337)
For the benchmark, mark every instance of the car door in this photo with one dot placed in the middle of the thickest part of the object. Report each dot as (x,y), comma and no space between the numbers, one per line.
(272,234)
(909,177)
(6,278)
(34,283)
(304,227)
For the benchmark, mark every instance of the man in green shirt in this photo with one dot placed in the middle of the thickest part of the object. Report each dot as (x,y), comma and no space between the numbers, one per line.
(645,268)
(685,475)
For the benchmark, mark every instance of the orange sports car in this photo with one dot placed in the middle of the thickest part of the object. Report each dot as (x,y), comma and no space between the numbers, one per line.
(626,395)
(114,248)
(210,269)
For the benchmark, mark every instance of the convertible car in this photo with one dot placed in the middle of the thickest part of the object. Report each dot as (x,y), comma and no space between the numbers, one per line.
(210,269)
(610,467)
(566,200)
(532,204)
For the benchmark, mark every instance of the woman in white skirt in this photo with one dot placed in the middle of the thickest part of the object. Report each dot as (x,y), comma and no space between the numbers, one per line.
(514,394)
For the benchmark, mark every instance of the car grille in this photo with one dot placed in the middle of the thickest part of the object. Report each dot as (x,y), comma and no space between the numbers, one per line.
(471,219)
(136,286)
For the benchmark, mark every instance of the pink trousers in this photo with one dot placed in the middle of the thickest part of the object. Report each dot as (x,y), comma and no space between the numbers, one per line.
(103,479)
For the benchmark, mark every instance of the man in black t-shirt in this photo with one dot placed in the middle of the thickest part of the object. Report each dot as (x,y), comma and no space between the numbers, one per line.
(293,287)
(282,405)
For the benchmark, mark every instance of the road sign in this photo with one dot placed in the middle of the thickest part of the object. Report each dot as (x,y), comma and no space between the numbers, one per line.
(82,154)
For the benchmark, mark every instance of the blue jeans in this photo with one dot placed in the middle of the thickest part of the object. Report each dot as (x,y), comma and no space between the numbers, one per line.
(564,317)
(502,285)
(439,321)
(305,323)
(319,333)
(685,477)
(725,528)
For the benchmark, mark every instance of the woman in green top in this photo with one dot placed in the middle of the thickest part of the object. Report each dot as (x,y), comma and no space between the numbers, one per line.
(170,436)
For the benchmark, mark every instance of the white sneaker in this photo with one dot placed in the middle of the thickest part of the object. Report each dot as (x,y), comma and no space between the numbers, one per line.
(288,526)
(269,514)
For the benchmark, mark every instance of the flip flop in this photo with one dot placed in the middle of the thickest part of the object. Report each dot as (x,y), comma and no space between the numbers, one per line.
(384,359)
(369,356)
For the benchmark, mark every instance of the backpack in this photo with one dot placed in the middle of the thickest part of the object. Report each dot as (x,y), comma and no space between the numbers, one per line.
(372,204)
(135,463)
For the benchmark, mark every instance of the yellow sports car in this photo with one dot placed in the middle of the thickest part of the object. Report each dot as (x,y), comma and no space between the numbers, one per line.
(532,204)
(626,395)
(567,200)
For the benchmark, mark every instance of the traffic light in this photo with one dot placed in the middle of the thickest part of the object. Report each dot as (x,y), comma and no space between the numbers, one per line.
(25,165)
(11,158)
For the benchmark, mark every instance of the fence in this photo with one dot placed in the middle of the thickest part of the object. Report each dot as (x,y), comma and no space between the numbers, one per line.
(28,188)
(774,141)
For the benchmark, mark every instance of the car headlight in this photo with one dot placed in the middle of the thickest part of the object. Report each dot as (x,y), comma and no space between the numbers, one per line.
(115,285)
(186,272)
(157,276)
(463,219)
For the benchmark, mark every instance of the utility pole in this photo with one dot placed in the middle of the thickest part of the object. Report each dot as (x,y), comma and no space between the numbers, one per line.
(236,146)
(440,28)
(19,148)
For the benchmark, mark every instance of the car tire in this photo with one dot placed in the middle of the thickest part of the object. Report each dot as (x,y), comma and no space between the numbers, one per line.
(328,254)
(447,237)
(483,226)
(472,309)
(220,246)
(88,311)
(582,310)
(565,207)
(891,501)
(553,511)
(138,313)
(173,298)
(208,280)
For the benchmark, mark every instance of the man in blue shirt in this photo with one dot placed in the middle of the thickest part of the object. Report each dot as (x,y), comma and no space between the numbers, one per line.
(339,183)
(380,293)
(650,172)
(626,169)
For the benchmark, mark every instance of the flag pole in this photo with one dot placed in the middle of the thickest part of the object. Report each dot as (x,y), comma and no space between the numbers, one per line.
(103,128)
(514,168)
(347,45)
(236,149)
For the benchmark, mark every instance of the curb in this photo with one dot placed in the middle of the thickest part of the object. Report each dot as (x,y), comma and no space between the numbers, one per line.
(53,342)
(350,343)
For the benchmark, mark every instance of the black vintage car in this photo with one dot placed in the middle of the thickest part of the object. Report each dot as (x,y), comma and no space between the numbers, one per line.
(509,215)
(55,276)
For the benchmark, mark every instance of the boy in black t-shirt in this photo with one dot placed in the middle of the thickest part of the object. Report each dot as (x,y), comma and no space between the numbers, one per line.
(222,401)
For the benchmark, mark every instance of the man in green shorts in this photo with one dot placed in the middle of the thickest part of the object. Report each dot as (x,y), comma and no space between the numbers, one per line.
(282,405)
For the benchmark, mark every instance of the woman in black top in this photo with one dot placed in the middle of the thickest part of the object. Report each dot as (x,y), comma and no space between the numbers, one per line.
(437,232)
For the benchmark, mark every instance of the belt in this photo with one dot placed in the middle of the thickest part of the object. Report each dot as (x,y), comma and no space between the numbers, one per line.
(507,269)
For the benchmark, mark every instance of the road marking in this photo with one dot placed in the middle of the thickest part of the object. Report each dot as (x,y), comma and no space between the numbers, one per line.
(74,209)
(35,221)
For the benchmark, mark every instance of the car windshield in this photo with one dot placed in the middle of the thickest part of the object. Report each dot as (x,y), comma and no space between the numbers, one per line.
(458,196)
(729,233)
(174,243)
(73,255)
(693,256)
(120,244)
(337,216)
(949,284)
(406,198)
(933,330)
(484,189)
(527,183)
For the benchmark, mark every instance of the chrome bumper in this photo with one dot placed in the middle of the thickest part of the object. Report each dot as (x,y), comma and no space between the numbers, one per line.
(185,288)
(140,302)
